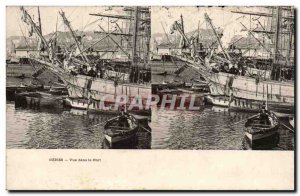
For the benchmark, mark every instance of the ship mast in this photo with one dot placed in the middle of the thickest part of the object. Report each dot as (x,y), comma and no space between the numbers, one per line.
(276,53)
(259,42)
(182,26)
(124,17)
(28,20)
(180,29)
(277,33)
(40,27)
(291,23)
(131,37)
(39,18)
(137,38)
(217,36)
(280,31)
(134,37)
(67,23)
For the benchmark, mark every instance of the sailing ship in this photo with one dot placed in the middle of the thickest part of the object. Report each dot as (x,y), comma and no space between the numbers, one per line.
(247,91)
(102,84)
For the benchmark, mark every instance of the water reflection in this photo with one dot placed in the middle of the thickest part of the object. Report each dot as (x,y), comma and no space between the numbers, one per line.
(211,128)
(58,129)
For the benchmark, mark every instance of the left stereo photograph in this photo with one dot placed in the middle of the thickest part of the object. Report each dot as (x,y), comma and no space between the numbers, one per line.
(78,78)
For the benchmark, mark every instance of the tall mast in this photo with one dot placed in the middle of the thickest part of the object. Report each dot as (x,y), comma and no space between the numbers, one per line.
(40,27)
(39,18)
(291,32)
(67,23)
(180,29)
(198,31)
(276,34)
(56,29)
(134,37)
(147,35)
(181,20)
(217,36)
(28,20)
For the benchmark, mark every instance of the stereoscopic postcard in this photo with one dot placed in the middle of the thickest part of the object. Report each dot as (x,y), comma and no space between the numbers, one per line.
(150,97)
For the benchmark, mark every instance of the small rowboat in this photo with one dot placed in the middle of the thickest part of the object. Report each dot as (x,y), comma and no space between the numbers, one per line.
(261,126)
(120,129)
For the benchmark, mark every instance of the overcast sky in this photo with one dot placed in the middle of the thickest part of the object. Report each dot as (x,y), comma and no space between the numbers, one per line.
(221,17)
(79,17)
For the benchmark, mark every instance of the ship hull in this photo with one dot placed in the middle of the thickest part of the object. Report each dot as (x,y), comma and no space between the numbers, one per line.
(260,136)
(121,138)
(85,86)
(91,88)
(38,100)
(106,107)
(251,88)
(240,104)
(247,88)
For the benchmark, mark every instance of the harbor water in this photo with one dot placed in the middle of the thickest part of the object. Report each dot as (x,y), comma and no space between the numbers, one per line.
(60,129)
(210,128)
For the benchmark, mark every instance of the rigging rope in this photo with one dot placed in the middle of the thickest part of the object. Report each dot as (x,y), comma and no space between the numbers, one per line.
(222,125)
(288,127)
(88,22)
(87,128)
(27,44)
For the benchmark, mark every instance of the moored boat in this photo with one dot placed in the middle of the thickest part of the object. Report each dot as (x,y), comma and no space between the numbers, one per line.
(37,100)
(101,106)
(120,129)
(58,90)
(87,77)
(228,75)
(261,126)
(250,105)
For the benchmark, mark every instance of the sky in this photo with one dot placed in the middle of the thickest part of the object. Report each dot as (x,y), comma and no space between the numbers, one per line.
(221,17)
(79,17)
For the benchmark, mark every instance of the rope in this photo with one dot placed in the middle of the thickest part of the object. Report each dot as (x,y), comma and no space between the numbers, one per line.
(72,12)
(87,128)
(214,126)
(246,120)
(26,41)
(288,128)
(145,129)
(88,23)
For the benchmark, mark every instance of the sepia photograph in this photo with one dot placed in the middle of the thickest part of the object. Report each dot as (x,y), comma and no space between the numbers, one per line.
(150,78)
(81,81)
(185,86)
(229,72)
